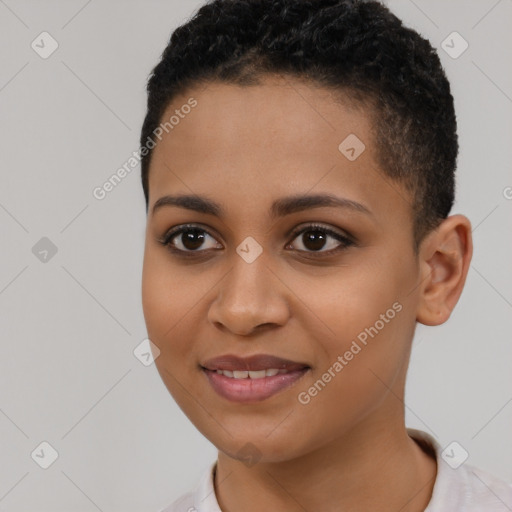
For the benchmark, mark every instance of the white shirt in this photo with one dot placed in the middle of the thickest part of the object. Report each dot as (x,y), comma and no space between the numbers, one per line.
(464,489)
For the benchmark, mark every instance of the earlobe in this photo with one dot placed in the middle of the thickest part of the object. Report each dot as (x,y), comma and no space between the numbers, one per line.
(444,256)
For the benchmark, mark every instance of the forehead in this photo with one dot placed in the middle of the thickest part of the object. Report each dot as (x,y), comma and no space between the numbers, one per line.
(280,117)
(281,137)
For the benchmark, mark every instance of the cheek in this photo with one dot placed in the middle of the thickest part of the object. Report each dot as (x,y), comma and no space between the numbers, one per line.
(369,323)
(169,300)
(167,297)
(351,302)
(360,362)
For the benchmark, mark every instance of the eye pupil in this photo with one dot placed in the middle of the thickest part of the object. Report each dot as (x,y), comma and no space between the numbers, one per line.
(192,239)
(316,237)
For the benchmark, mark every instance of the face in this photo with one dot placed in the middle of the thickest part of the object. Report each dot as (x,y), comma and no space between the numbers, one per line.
(327,286)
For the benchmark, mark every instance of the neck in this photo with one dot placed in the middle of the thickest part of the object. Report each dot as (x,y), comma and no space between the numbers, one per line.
(367,467)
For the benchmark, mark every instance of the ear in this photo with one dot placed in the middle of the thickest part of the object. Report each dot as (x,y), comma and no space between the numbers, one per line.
(444,258)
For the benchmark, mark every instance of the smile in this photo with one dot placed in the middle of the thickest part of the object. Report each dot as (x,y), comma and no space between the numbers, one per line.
(243,386)
(256,374)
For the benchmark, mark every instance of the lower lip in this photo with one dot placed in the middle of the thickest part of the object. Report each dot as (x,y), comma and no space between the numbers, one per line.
(252,390)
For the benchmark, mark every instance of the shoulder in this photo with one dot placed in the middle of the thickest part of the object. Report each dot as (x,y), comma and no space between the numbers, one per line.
(461,487)
(478,490)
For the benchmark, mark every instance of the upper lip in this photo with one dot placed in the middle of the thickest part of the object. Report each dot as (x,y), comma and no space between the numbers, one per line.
(252,363)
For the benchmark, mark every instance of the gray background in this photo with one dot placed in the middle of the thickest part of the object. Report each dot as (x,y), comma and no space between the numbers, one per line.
(69,326)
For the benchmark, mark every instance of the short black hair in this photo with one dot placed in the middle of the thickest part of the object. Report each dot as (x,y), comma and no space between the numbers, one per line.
(356,47)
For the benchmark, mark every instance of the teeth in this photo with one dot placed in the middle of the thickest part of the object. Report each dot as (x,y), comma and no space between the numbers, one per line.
(256,374)
(260,374)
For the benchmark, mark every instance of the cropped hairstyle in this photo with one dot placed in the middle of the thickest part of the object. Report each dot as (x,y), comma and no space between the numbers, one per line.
(359,50)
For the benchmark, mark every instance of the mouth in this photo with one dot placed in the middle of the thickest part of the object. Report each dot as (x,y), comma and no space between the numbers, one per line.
(250,374)
(252,379)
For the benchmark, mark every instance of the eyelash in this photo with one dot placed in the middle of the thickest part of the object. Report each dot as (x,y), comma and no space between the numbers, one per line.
(346,241)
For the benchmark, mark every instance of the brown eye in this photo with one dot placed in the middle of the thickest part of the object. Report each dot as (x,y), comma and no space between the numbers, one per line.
(320,239)
(192,239)
(189,239)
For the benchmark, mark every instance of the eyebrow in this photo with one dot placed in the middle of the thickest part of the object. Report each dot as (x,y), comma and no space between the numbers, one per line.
(279,208)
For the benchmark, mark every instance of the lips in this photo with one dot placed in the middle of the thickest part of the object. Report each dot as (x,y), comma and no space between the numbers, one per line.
(252,379)
(253,363)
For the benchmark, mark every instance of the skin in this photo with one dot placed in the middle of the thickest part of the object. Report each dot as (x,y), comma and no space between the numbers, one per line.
(244,147)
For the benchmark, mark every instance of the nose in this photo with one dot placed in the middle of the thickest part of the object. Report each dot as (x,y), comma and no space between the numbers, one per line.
(250,298)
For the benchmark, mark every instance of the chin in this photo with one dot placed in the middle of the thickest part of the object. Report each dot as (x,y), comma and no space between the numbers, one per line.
(258,447)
